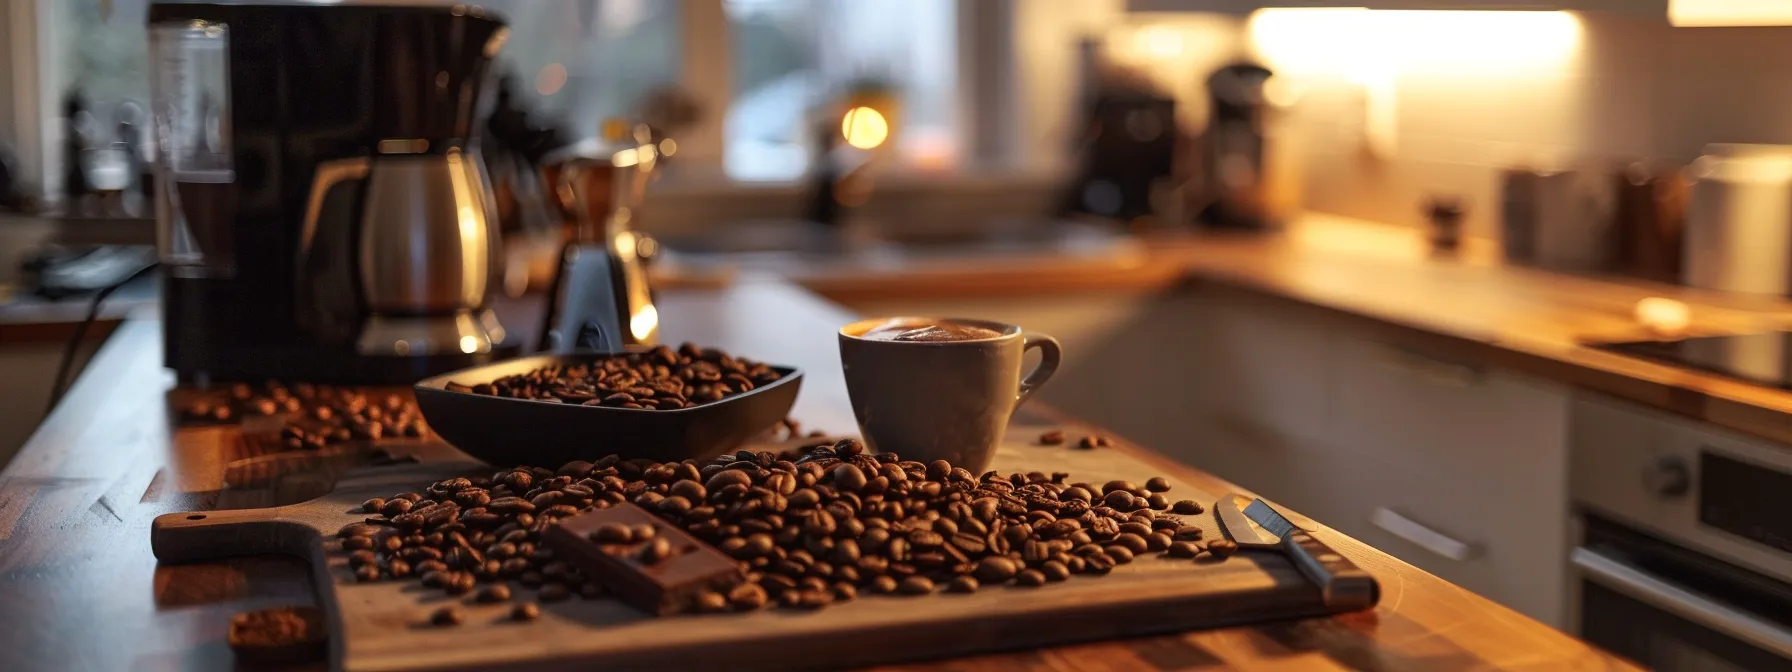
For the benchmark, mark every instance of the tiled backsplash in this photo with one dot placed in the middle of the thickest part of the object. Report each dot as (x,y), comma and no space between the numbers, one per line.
(1629,87)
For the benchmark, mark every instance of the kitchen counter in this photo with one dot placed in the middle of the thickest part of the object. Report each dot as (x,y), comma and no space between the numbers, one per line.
(1474,308)
(79,588)
(1468,306)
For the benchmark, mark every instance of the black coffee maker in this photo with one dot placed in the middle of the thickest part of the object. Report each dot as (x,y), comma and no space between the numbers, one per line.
(323,210)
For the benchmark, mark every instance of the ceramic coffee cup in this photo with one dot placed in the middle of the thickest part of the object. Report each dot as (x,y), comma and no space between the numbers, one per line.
(945,398)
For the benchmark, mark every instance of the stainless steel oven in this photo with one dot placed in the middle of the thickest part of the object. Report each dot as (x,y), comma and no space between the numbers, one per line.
(1684,557)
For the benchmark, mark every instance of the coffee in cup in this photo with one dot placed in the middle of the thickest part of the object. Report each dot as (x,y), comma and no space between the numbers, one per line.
(940,388)
(910,329)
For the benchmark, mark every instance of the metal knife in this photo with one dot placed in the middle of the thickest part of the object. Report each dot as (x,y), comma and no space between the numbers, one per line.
(1342,585)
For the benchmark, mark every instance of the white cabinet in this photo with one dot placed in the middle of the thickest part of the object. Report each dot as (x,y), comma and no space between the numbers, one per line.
(1454,467)
(1468,471)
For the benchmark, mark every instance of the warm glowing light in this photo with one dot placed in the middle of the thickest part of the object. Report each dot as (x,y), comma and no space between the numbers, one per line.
(1663,316)
(864,128)
(625,244)
(644,322)
(1158,42)
(550,79)
(1695,13)
(624,158)
(469,344)
(1366,44)
(668,147)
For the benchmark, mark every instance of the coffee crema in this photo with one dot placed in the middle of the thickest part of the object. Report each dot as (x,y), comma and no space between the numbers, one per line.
(928,331)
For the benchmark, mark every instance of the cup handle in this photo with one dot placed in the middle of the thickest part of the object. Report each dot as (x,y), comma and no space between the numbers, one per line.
(1049,355)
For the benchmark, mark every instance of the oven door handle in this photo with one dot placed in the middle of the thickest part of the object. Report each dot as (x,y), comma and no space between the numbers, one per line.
(1673,598)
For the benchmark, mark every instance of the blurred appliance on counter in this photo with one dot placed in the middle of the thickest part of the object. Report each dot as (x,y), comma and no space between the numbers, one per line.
(1683,561)
(1558,220)
(1444,212)
(600,299)
(1130,147)
(323,212)
(1739,220)
(1650,221)
(1239,189)
(56,272)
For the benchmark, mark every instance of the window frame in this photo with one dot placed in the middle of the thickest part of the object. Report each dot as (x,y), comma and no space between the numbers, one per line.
(30,63)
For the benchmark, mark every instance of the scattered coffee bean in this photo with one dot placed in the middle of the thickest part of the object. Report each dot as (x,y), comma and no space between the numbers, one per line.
(1157,502)
(883,585)
(1030,578)
(1186,507)
(446,616)
(1184,549)
(1222,548)
(553,592)
(1186,533)
(962,584)
(747,596)
(493,594)
(709,602)
(655,551)
(1158,484)
(1118,553)
(1052,438)
(525,611)
(915,585)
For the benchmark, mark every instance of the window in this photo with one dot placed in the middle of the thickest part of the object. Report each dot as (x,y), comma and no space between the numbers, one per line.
(789,70)
(577,63)
(797,63)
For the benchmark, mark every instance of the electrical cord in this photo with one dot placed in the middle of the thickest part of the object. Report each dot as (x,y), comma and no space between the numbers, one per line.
(60,385)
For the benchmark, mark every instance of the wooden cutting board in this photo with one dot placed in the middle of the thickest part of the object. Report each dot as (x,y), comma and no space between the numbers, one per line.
(383,626)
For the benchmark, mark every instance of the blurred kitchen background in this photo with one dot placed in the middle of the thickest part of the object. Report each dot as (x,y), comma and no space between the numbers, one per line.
(1042,162)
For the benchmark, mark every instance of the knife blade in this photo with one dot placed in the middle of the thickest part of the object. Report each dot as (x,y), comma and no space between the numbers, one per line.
(1342,585)
(1239,527)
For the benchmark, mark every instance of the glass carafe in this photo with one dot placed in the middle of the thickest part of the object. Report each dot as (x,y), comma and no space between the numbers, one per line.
(195,176)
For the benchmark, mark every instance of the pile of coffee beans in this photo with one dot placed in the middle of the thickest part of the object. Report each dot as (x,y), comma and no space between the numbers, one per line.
(809,527)
(314,416)
(350,415)
(661,379)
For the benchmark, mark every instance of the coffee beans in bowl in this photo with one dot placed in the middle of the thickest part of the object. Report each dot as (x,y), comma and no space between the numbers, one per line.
(656,379)
(662,403)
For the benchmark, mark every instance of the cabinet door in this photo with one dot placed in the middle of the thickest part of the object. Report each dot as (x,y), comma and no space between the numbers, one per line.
(1464,470)
(1482,428)
(1510,548)
(1203,372)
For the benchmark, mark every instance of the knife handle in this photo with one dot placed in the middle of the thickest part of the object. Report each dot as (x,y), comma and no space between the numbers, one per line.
(1342,585)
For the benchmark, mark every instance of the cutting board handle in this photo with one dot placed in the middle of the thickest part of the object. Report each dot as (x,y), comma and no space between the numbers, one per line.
(208,535)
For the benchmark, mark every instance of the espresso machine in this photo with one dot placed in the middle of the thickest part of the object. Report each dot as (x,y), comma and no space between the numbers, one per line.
(323,212)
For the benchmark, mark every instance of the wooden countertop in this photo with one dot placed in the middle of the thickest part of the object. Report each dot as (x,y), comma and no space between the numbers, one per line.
(80,589)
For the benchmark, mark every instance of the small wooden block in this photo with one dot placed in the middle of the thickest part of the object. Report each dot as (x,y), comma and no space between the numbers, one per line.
(662,588)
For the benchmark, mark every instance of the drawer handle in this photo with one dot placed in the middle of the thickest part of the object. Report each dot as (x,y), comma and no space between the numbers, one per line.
(1423,537)
(1449,374)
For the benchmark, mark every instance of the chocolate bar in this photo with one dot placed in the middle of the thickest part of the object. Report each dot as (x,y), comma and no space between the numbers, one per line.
(650,564)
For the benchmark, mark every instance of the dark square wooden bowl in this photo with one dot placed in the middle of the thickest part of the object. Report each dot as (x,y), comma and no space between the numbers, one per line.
(506,432)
